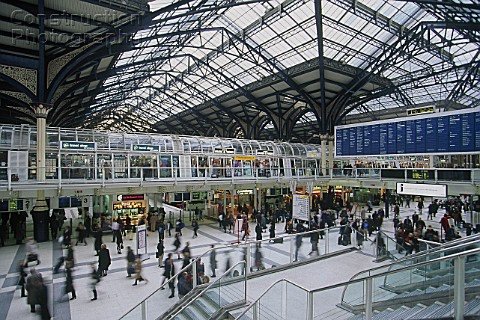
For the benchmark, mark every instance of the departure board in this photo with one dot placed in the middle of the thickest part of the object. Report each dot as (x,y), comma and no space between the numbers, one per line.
(446,132)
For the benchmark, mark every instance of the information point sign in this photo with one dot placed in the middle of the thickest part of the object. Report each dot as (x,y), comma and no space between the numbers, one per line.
(142,241)
(301,207)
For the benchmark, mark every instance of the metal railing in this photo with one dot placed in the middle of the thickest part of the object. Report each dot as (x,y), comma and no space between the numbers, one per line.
(316,301)
(217,284)
(13,176)
(266,253)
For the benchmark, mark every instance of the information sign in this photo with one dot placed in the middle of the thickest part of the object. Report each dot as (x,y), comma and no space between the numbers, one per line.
(422,189)
(145,148)
(446,132)
(77,145)
(142,240)
(300,207)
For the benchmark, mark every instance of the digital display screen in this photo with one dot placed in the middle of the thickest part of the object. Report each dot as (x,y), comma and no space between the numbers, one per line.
(449,132)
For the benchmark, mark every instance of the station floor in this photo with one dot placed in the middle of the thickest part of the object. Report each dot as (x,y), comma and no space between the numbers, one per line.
(115,292)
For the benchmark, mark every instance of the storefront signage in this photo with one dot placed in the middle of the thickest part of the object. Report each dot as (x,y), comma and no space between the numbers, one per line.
(145,148)
(247,191)
(129,197)
(77,145)
(244,158)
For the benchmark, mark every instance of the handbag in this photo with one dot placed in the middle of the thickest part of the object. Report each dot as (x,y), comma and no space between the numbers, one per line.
(156,255)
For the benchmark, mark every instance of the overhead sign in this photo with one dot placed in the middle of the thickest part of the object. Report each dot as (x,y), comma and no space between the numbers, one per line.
(438,133)
(422,189)
(301,207)
(244,158)
(265,152)
(421,110)
(145,148)
(129,197)
(77,145)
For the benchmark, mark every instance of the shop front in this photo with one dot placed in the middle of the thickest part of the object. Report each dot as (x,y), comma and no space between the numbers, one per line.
(134,206)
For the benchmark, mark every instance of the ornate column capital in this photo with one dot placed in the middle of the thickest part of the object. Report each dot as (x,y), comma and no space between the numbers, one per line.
(41,110)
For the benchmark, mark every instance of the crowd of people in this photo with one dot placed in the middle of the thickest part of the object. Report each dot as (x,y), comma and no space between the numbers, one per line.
(355,222)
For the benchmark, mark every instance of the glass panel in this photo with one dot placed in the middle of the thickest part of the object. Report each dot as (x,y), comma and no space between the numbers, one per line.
(6,136)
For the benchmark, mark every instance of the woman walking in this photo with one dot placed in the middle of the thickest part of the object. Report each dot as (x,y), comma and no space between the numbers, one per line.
(138,271)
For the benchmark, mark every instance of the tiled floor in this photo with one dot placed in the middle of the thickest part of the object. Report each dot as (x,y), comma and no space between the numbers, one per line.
(117,296)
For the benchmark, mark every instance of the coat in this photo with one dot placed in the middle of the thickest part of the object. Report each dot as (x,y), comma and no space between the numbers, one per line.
(104,260)
(169,269)
(34,284)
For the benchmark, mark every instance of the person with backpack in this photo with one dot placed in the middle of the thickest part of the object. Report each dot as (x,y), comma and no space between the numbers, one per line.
(179,226)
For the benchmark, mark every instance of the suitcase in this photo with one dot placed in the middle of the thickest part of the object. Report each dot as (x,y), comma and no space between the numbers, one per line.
(278,240)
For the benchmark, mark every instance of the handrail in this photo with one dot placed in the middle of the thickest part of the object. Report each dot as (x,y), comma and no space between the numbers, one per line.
(223,247)
(451,245)
(162,286)
(210,285)
(268,289)
(431,242)
(386,273)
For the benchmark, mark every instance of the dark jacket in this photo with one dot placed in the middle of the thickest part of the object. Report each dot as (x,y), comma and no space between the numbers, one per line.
(104,260)
(169,269)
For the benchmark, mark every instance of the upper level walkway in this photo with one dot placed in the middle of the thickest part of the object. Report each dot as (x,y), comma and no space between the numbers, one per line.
(459,180)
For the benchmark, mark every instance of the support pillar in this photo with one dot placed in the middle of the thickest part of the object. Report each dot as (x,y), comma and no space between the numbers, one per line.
(331,149)
(459,287)
(224,202)
(40,212)
(323,158)
(232,200)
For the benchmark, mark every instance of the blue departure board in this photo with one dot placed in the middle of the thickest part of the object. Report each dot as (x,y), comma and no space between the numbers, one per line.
(448,132)
(477,131)
(442,134)
(383,138)
(467,126)
(420,139)
(410,134)
(375,139)
(431,135)
(391,137)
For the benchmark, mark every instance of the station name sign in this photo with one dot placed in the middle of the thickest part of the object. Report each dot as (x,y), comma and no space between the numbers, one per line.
(77,145)
(145,148)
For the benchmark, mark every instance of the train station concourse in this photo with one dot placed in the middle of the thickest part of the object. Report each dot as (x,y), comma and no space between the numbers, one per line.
(240,159)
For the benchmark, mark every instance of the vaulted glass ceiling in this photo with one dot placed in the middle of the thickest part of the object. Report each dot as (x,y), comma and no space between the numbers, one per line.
(193,59)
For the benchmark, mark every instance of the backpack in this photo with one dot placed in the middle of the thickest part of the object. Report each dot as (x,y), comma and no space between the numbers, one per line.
(365,225)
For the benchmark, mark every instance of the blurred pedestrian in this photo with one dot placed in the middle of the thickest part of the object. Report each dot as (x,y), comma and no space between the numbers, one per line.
(138,271)
(213,260)
(130,262)
(104,260)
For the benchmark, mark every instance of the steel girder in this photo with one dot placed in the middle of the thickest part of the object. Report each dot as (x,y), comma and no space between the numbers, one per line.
(388,56)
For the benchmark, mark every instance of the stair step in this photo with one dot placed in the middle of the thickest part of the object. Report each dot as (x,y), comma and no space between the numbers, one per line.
(443,311)
(473,307)
(426,311)
(408,312)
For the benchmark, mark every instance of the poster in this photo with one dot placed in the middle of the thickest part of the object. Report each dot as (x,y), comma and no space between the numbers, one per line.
(301,207)
(142,241)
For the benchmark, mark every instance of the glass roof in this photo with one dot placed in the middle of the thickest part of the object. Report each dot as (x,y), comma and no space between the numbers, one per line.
(191,59)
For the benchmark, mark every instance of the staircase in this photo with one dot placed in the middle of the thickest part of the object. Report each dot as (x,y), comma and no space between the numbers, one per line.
(441,283)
